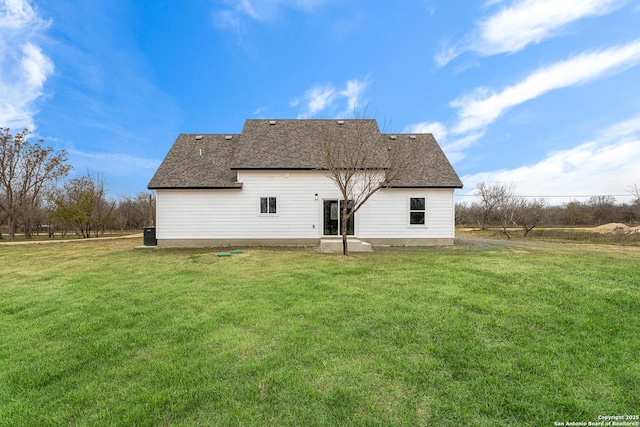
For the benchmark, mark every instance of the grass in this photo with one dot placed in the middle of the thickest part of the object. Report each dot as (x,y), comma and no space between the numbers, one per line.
(97,333)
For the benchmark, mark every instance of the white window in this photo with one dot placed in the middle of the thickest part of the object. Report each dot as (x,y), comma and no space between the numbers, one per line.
(417,211)
(268,205)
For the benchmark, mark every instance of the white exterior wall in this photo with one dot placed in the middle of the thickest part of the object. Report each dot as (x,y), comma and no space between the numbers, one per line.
(386,215)
(235,213)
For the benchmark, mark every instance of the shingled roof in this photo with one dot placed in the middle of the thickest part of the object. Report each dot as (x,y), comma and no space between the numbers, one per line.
(211,161)
(297,144)
(198,161)
(428,167)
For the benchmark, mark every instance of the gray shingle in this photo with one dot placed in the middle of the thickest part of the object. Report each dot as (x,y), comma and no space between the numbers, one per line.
(428,167)
(295,144)
(193,163)
(298,144)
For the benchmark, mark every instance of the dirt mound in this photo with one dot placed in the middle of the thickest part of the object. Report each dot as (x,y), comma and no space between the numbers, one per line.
(616,228)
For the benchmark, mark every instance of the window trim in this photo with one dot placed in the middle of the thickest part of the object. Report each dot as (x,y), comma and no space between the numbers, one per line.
(410,211)
(275,199)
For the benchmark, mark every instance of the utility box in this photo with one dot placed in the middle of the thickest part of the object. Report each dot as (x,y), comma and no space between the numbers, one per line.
(150,236)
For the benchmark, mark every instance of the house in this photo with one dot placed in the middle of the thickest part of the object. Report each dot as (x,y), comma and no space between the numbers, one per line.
(269,186)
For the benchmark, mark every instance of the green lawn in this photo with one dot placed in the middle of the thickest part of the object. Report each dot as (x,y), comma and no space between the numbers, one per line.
(97,333)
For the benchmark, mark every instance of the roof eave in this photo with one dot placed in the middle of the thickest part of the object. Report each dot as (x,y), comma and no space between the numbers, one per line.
(425,186)
(238,168)
(237,186)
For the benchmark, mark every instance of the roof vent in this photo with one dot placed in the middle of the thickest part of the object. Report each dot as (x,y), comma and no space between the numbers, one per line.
(393,137)
(228,137)
(272,122)
(412,136)
(198,137)
(340,122)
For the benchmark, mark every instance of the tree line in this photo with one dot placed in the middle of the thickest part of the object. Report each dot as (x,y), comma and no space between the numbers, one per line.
(499,205)
(36,197)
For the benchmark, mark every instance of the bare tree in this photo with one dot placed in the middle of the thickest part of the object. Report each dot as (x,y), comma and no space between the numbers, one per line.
(81,203)
(496,202)
(151,211)
(574,213)
(487,203)
(360,162)
(602,208)
(25,169)
(104,209)
(462,213)
(530,214)
(135,212)
(123,212)
(3,214)
(634,190)
(506,205)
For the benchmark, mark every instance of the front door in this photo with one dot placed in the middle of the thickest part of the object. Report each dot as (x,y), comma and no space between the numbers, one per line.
(332,218)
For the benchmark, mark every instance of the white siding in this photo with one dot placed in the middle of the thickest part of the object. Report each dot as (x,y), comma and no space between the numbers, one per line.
(386,215)
(235,214)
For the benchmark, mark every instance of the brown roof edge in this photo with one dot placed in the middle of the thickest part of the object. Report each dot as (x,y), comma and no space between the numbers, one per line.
(426,186)
(238,168)
(237,186)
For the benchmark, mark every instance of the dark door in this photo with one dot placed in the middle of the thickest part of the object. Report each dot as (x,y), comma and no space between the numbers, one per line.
(332,218)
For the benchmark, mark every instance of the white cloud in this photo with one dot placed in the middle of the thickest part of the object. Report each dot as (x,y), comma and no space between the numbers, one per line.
(453,148)
(228,19)
(260,111)
(604,166)
(525,22)
(448,53)
(18,15)
(479,109)
(24,68)
(246,7)
(622,130)
(482,107)
(438,129)
(238,11)
(352,92)
(36,65)
(531,21)
(317,99)
(117,160)
(323,97)
(492,2)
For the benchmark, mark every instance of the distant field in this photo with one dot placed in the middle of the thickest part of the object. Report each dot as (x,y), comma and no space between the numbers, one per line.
(604,235)
(44,237)
(98,333)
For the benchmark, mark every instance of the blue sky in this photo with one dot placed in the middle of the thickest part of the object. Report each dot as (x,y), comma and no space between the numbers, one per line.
(544,94)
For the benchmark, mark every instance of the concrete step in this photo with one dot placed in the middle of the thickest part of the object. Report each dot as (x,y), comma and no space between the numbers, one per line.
(335,245)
